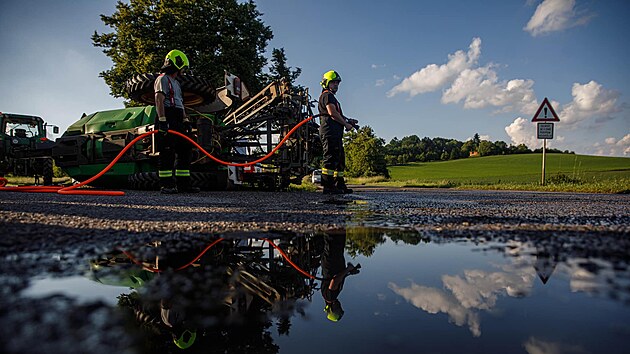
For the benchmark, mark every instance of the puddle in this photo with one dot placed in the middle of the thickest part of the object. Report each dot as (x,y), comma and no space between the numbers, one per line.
(411,294)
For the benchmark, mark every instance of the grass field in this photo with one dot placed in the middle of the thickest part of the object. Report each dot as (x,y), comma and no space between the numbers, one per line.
(564,172)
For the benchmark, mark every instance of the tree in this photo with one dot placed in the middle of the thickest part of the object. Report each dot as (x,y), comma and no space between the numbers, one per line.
(476,140)
(468,147)
(215,35)
(486,148)
(279,69)
(365,154)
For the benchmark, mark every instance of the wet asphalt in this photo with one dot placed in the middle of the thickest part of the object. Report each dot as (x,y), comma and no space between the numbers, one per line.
(51,235)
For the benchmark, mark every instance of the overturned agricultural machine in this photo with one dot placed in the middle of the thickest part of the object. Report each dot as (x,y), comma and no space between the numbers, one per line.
(228,123)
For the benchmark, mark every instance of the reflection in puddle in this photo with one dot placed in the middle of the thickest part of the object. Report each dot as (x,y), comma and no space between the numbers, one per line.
(272,292)
(228,292)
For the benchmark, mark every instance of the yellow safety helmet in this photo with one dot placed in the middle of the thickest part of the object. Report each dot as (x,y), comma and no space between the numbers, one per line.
(334,312)
(185,340)
(329,76)
(176,58)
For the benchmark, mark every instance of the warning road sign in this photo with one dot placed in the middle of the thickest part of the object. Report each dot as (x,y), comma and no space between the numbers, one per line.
(545,113)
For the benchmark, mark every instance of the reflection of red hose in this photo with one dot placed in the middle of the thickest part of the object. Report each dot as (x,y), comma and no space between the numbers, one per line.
(286,257)
(282,253)
(156,270)
(73,189)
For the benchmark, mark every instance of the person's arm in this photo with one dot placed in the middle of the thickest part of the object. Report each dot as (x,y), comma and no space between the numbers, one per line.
(159,105)
(336,116)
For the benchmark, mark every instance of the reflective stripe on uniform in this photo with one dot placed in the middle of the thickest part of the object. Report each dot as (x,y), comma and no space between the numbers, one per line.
(168,173)
(328,172)
(182,173)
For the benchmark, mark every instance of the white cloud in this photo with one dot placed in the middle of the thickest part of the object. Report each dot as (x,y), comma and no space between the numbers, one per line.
(463,297)
(480,88)
(379,82)
(463,80)
(613,146)
(522,131)
(433,77)
(479,289)
(435,301)
(590,101)
(555,15)
(377,66)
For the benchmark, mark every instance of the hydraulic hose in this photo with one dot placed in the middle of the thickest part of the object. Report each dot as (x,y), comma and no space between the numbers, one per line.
(73,190)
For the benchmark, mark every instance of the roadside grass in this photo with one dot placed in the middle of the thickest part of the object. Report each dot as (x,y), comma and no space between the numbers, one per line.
(564,173)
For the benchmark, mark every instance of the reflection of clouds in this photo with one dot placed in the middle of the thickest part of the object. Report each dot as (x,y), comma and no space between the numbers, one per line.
(588,275)
(479,289)
(434,301)
(537,346)
(476,290)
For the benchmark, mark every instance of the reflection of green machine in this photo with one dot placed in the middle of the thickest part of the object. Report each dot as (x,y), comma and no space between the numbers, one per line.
(130,276)
(24,148)
(228,124)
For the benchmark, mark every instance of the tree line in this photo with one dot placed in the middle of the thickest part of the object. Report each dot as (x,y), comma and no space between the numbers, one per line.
(413,149)
(367,155)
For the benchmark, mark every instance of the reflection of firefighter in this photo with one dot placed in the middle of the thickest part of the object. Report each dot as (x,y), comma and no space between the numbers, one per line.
(331,133)
(335,270)
(169,104)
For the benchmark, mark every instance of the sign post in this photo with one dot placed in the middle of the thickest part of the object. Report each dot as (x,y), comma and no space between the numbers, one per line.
(545,116)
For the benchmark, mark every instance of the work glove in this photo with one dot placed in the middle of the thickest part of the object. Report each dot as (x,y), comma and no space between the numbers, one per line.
(162,126)
(187,127)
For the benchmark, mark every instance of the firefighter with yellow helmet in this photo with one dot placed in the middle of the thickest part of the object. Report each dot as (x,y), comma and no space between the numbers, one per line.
(331,130)
(169,103)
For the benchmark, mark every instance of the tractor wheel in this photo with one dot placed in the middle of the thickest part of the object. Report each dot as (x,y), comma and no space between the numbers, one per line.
(195,90)
(144,181)
(47,171)
(203,180)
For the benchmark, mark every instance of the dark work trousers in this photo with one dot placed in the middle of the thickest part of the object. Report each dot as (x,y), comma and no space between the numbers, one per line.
(169,146)
(333,263)
(334,156)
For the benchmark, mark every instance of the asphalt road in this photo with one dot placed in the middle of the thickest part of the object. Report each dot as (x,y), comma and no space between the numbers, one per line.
(52,235)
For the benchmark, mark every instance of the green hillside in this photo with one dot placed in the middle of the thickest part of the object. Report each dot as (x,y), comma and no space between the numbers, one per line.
(507,171)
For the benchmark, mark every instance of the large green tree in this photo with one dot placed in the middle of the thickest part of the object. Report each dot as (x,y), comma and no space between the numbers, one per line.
(365,154)
(216,35)
(280,70)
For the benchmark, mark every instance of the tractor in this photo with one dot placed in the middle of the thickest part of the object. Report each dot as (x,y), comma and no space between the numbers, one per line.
(24,148)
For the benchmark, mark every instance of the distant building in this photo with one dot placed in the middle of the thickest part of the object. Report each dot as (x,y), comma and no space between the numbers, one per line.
(473,154)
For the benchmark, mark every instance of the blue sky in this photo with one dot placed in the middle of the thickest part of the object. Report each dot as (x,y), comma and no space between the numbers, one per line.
(441,68)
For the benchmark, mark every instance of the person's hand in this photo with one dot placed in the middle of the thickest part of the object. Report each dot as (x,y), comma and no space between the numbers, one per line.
(187,126)
(354,123)
(349,126)
(162,126)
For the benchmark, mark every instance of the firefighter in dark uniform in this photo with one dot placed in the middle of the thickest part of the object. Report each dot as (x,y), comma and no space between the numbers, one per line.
(169,104)
(333,123)
(335,271)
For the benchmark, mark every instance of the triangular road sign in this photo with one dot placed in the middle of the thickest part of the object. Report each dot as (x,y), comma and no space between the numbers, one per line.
(545,113)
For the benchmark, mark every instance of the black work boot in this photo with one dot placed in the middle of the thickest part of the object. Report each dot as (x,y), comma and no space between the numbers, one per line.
(340,183)
(184,185)
(167,185)
(329,185)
